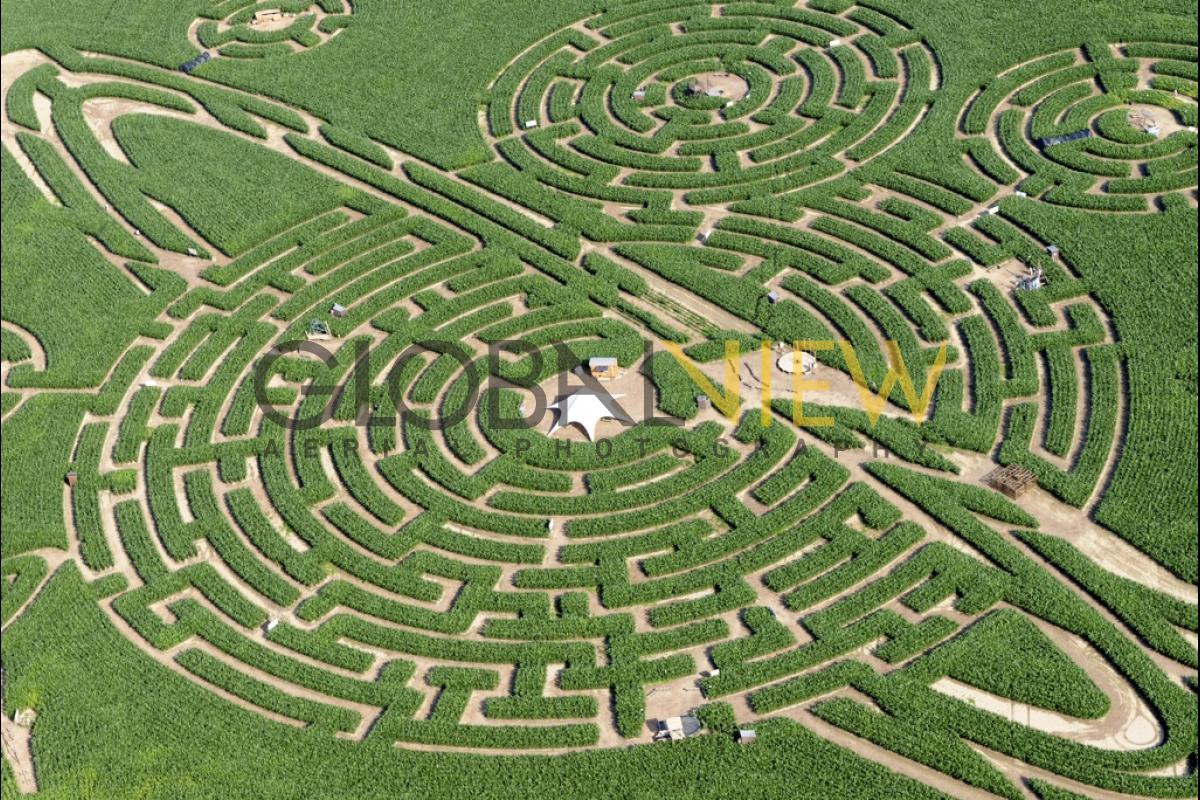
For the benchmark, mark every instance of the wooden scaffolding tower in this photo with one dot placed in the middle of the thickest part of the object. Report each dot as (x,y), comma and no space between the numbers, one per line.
(1013,480)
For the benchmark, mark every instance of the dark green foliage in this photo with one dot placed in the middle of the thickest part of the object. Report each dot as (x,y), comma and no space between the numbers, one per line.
(368,578)
(1006,655)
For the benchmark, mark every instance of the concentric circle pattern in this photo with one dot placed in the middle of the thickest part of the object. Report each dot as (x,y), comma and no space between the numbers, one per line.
(251,29)
(724,101)
(1103,127)
(673,172)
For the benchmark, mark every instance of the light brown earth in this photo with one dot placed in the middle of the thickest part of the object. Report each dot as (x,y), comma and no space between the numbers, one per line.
(1129,726)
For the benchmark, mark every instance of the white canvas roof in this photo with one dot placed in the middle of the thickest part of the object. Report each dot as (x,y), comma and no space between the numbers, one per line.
(586,409)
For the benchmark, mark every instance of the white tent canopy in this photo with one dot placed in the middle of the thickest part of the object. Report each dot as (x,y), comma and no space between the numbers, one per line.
(586,409)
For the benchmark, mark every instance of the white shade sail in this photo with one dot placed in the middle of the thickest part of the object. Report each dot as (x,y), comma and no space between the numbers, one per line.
(586,409)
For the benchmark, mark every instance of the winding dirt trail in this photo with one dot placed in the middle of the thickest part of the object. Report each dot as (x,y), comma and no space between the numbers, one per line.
(1126,728)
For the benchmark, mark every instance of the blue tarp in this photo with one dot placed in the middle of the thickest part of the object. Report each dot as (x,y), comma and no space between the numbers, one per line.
(1067,137)
(188,66)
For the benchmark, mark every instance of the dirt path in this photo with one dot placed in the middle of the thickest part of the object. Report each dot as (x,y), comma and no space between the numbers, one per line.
(18,752)
(17,740)
(1168,123)
(1129,718)
(264,21)
(1129,725)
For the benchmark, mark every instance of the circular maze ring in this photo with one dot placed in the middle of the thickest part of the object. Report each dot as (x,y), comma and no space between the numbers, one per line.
(1104,127)
(271,28)
(718,103)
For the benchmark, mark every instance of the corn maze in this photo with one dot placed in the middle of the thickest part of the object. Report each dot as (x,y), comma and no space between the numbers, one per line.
(1117,96)
(661,173)
(243,29)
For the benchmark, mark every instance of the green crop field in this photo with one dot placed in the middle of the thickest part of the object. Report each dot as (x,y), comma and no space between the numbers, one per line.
(599,399)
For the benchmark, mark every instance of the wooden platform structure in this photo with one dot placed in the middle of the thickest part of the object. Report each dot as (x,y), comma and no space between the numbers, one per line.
(1013,480)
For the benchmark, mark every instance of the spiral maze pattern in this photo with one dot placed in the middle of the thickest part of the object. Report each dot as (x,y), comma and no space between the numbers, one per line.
(476,588)
(718,102)
(1107,127)
(249,29)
